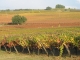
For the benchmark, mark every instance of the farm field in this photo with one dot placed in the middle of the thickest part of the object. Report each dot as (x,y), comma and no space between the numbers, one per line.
(68,34)
(43,34)
(44,19)
(26,32)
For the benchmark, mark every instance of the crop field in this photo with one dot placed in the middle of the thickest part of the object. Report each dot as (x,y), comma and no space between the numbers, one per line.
(44,36)
(44,19)
(41,41)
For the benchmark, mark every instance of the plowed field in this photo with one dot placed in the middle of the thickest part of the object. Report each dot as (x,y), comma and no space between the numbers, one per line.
(48,19)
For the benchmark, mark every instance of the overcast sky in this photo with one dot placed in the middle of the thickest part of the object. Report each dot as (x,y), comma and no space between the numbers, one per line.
(37,4)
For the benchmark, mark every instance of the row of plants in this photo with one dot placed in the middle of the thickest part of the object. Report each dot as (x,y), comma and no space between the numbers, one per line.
(46,43)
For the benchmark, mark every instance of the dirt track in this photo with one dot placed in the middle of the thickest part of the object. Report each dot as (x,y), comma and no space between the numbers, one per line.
(44,25)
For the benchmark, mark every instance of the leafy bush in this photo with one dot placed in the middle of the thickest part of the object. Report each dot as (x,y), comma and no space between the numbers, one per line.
(48,8)
(59,6)
(17,19)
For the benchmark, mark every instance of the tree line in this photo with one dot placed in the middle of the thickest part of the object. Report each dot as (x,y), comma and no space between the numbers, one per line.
(58,6)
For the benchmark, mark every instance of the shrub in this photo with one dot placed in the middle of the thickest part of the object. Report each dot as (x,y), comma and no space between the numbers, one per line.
(17,19)
(59,6)
(48,8)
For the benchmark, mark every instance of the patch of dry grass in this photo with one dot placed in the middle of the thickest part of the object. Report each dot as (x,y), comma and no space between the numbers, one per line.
(20,56)
(46,17)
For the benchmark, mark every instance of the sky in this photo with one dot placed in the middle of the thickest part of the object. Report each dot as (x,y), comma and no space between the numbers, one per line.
(37,4)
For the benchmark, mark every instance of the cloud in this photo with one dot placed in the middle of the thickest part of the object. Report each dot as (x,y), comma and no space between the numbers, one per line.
(37,4)
(15,4)
(78,1)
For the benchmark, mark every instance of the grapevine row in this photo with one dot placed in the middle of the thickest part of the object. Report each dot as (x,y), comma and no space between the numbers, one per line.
(41,42)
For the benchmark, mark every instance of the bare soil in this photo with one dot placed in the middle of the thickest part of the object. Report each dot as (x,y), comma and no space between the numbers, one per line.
(44,25)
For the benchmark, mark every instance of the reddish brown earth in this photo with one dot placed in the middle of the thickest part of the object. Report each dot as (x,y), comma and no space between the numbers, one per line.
(35,21)
(44,25)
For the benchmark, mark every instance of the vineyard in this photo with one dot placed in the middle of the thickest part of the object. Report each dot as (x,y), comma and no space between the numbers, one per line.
(49,41)
(47,35)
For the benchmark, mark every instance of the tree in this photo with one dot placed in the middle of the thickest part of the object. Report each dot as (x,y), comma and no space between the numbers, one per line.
(17,19)
(48,8)
(59,6)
